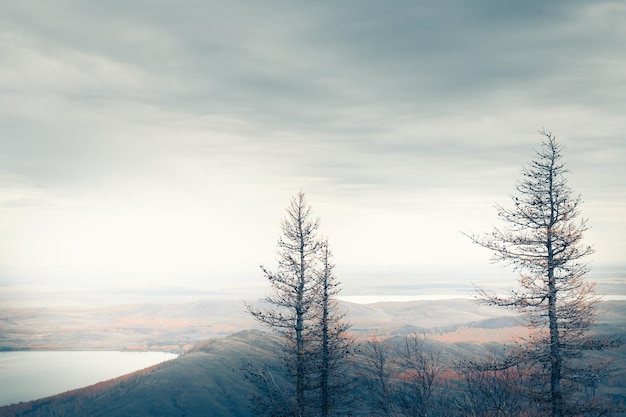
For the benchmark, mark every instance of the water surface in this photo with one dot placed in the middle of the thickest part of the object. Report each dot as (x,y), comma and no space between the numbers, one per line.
(30,375)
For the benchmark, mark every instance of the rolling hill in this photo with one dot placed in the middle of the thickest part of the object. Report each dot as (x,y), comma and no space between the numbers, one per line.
(178,326)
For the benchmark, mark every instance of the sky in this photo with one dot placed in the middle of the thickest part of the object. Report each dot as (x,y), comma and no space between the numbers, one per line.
(158,143)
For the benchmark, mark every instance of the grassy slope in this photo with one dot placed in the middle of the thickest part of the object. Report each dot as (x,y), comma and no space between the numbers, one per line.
(206,381)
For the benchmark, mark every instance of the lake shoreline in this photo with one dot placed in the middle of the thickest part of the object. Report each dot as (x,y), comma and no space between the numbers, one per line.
(32,375)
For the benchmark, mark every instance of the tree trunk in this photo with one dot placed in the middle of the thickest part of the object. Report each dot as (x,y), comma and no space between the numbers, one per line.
(300,354)
(555,344)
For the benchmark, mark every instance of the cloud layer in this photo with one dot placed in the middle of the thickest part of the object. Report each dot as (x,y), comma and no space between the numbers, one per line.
(168,136)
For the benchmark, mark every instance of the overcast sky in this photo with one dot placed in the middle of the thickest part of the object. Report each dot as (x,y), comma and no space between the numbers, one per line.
(160,141)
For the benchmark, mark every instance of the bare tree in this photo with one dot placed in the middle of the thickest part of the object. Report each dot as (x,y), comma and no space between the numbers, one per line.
(421,378)
(404,378)
(492,387)
(272,398)
(303,310)
(335,345)
(378,375)
(542,241)
(295,293)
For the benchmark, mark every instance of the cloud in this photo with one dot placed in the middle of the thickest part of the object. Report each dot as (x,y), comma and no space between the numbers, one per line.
(417,111)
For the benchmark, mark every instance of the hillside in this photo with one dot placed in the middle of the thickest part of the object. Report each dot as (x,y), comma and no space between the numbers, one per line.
(211,380)
(207,378)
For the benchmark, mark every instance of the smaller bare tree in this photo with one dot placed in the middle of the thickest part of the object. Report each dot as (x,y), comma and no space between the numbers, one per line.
(493,387)
(421,384)
(273,397)
(406,378)
(378,374)
(335,345)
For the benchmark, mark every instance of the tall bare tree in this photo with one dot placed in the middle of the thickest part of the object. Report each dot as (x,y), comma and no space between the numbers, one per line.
(295,293)
(542,240)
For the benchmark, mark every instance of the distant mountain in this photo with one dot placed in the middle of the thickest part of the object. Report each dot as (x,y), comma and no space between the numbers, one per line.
(177,326)
(142,326)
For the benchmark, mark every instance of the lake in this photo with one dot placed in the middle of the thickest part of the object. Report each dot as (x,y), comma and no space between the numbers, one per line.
(30,375)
